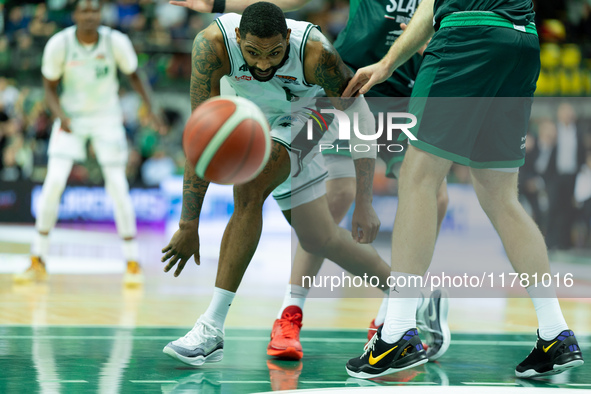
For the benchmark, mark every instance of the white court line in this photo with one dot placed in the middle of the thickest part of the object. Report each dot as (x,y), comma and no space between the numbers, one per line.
(266,339)
(244,381)
(413,383)
(489,384)
(153,381)
(61,381)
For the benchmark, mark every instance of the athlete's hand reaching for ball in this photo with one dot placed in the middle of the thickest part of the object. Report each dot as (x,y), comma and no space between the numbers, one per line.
(183,245)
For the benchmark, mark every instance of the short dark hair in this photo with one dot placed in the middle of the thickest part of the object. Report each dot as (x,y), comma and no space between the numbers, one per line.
(263,20)
(74,5)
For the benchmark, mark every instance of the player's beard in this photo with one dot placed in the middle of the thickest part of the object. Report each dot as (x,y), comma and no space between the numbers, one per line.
(254,69)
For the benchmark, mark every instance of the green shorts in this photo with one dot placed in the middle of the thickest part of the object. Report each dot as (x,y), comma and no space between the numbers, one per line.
(487,75)
(391,157)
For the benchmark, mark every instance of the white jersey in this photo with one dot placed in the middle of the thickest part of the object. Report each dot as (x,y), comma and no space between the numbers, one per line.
(90,87)
(273,97)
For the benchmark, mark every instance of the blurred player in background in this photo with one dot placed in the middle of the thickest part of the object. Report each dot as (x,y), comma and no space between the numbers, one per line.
(372,27)
(83,59)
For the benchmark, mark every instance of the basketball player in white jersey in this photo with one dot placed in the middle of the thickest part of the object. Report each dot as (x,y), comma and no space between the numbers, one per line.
(84,59)
(270,60)
(340,185)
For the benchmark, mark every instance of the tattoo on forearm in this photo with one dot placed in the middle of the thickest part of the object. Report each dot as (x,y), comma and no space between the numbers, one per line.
(194,189)
(364,170)
(205,62)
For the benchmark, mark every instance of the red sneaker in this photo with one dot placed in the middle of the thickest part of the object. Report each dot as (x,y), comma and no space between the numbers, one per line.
(284,375)
(285,336)
(372,329)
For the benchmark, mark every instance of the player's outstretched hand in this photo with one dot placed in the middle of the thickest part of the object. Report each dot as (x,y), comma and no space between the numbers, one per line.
(183,245)
(365,224)
(367,77)
(65,124)
(205,6)
(158,124)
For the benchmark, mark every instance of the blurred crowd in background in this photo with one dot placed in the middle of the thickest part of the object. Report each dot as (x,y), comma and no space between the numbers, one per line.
(558,146)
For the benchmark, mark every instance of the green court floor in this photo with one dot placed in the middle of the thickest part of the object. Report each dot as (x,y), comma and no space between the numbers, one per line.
(111,360)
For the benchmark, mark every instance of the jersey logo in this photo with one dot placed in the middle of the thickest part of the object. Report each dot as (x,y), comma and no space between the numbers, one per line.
(288,79)
(244,67)
(100,56)
(285,124)
(289,96)
(243,78)
(101,71)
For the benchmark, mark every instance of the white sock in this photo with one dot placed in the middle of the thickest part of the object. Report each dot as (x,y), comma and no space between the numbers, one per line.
(550,319)
(381,316)
(219,307)
(40,246)
(402,307)
(131,250)
(294,295)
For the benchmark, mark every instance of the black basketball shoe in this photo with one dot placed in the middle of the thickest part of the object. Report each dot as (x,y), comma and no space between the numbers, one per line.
(551,357)
(381,358)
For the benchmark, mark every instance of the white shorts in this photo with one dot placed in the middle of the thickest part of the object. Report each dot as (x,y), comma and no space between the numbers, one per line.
(306,180)
(339,166)
(106,135)
(306,187)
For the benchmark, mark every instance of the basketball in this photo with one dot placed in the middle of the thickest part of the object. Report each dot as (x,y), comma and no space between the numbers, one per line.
(227,140)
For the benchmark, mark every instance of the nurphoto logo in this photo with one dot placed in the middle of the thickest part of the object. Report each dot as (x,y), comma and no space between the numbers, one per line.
(393,121)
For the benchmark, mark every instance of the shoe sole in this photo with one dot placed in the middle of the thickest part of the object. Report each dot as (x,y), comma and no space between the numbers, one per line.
(365,375)
(290,353)
(443,311)
(556,369)
(213,357)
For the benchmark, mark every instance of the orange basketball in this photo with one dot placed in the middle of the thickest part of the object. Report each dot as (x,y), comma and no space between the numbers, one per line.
(227,140)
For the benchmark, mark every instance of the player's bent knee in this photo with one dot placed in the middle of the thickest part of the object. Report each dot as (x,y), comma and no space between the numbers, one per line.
(442,199)
(314,245)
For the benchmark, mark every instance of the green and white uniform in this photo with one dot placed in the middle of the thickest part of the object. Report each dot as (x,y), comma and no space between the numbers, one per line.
(488,51)
(372,28)
(276,99)
(90,93)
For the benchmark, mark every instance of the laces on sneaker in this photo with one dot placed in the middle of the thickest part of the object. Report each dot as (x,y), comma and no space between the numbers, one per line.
(198,334)
(369,346)
(290,324)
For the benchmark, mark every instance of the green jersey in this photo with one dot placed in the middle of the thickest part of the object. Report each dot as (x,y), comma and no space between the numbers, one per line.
(520,12)
(372,28)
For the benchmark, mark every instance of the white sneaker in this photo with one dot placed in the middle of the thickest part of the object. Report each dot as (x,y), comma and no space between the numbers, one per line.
(432,323)
(203,344)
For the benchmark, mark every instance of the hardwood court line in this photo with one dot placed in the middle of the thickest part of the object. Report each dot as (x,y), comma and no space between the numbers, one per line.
(381,382)
(60,381)
(266,338)
(154,381)
(244,381)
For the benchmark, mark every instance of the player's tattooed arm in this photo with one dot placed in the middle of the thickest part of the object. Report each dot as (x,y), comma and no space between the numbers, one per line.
(210,63)
(194,189)
(324,67)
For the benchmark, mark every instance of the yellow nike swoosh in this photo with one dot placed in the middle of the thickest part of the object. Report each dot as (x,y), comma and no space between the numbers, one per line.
(545,349)
(373,360)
